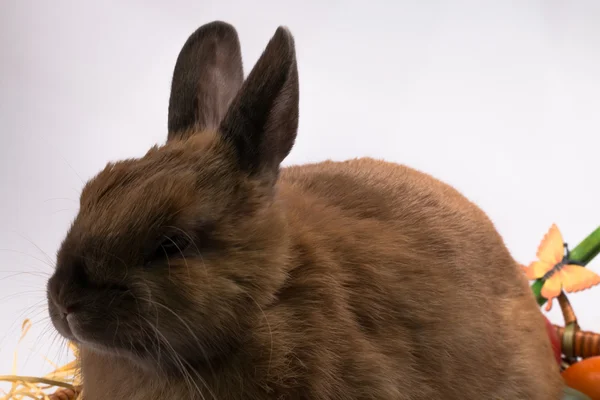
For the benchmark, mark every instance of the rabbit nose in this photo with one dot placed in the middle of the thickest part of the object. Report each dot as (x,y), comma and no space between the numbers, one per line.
(66,310)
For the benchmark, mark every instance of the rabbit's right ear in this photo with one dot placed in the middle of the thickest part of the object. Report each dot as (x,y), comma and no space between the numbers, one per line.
(207,76)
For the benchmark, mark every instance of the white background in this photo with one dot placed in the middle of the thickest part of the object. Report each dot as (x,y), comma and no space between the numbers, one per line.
(499,98)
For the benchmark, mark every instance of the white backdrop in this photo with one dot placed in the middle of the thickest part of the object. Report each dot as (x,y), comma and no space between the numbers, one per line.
(499,98)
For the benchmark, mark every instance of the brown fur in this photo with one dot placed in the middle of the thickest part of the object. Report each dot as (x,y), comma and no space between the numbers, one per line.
(338,280)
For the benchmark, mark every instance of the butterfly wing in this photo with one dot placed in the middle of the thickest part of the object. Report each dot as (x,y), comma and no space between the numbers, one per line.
(569,280)
(576,278)
(552,288)
(537,269)
(551,249)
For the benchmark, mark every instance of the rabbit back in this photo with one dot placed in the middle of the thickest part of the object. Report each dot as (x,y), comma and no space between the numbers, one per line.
(419,278)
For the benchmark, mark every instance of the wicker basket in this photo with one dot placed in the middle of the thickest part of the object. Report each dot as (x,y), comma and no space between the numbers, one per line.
(575,343)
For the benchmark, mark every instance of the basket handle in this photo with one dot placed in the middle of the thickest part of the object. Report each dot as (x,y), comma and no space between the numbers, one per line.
(579,343)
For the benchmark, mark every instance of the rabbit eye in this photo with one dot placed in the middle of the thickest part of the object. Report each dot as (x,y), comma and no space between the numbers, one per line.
(170,247)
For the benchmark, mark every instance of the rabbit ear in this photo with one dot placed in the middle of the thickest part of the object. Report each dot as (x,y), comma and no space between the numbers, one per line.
(262,121)
(208,74)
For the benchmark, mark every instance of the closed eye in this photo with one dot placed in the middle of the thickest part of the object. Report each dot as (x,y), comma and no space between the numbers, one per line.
(170,247)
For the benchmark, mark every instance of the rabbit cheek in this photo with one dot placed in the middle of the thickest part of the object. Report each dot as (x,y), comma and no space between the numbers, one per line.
(193,323)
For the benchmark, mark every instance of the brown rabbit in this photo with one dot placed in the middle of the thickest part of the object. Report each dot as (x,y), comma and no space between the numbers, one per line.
(203,270)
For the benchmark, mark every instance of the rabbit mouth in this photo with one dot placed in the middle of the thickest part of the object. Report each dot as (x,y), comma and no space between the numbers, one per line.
(141,342)
(61,325)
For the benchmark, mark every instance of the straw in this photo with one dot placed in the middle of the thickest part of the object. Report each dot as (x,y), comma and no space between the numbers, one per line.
(60,384)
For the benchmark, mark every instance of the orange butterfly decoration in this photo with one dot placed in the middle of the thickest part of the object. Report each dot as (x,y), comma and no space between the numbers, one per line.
(558,271)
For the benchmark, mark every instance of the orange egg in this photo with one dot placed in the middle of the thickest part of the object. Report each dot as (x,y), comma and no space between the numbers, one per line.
(585,377)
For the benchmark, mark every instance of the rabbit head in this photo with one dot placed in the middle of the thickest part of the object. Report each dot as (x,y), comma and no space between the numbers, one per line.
(173,253)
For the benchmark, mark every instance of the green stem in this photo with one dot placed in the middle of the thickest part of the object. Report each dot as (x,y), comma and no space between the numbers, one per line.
(583,253)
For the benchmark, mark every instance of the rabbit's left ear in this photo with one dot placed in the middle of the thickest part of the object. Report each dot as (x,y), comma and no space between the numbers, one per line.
(207,76)
(262,121)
